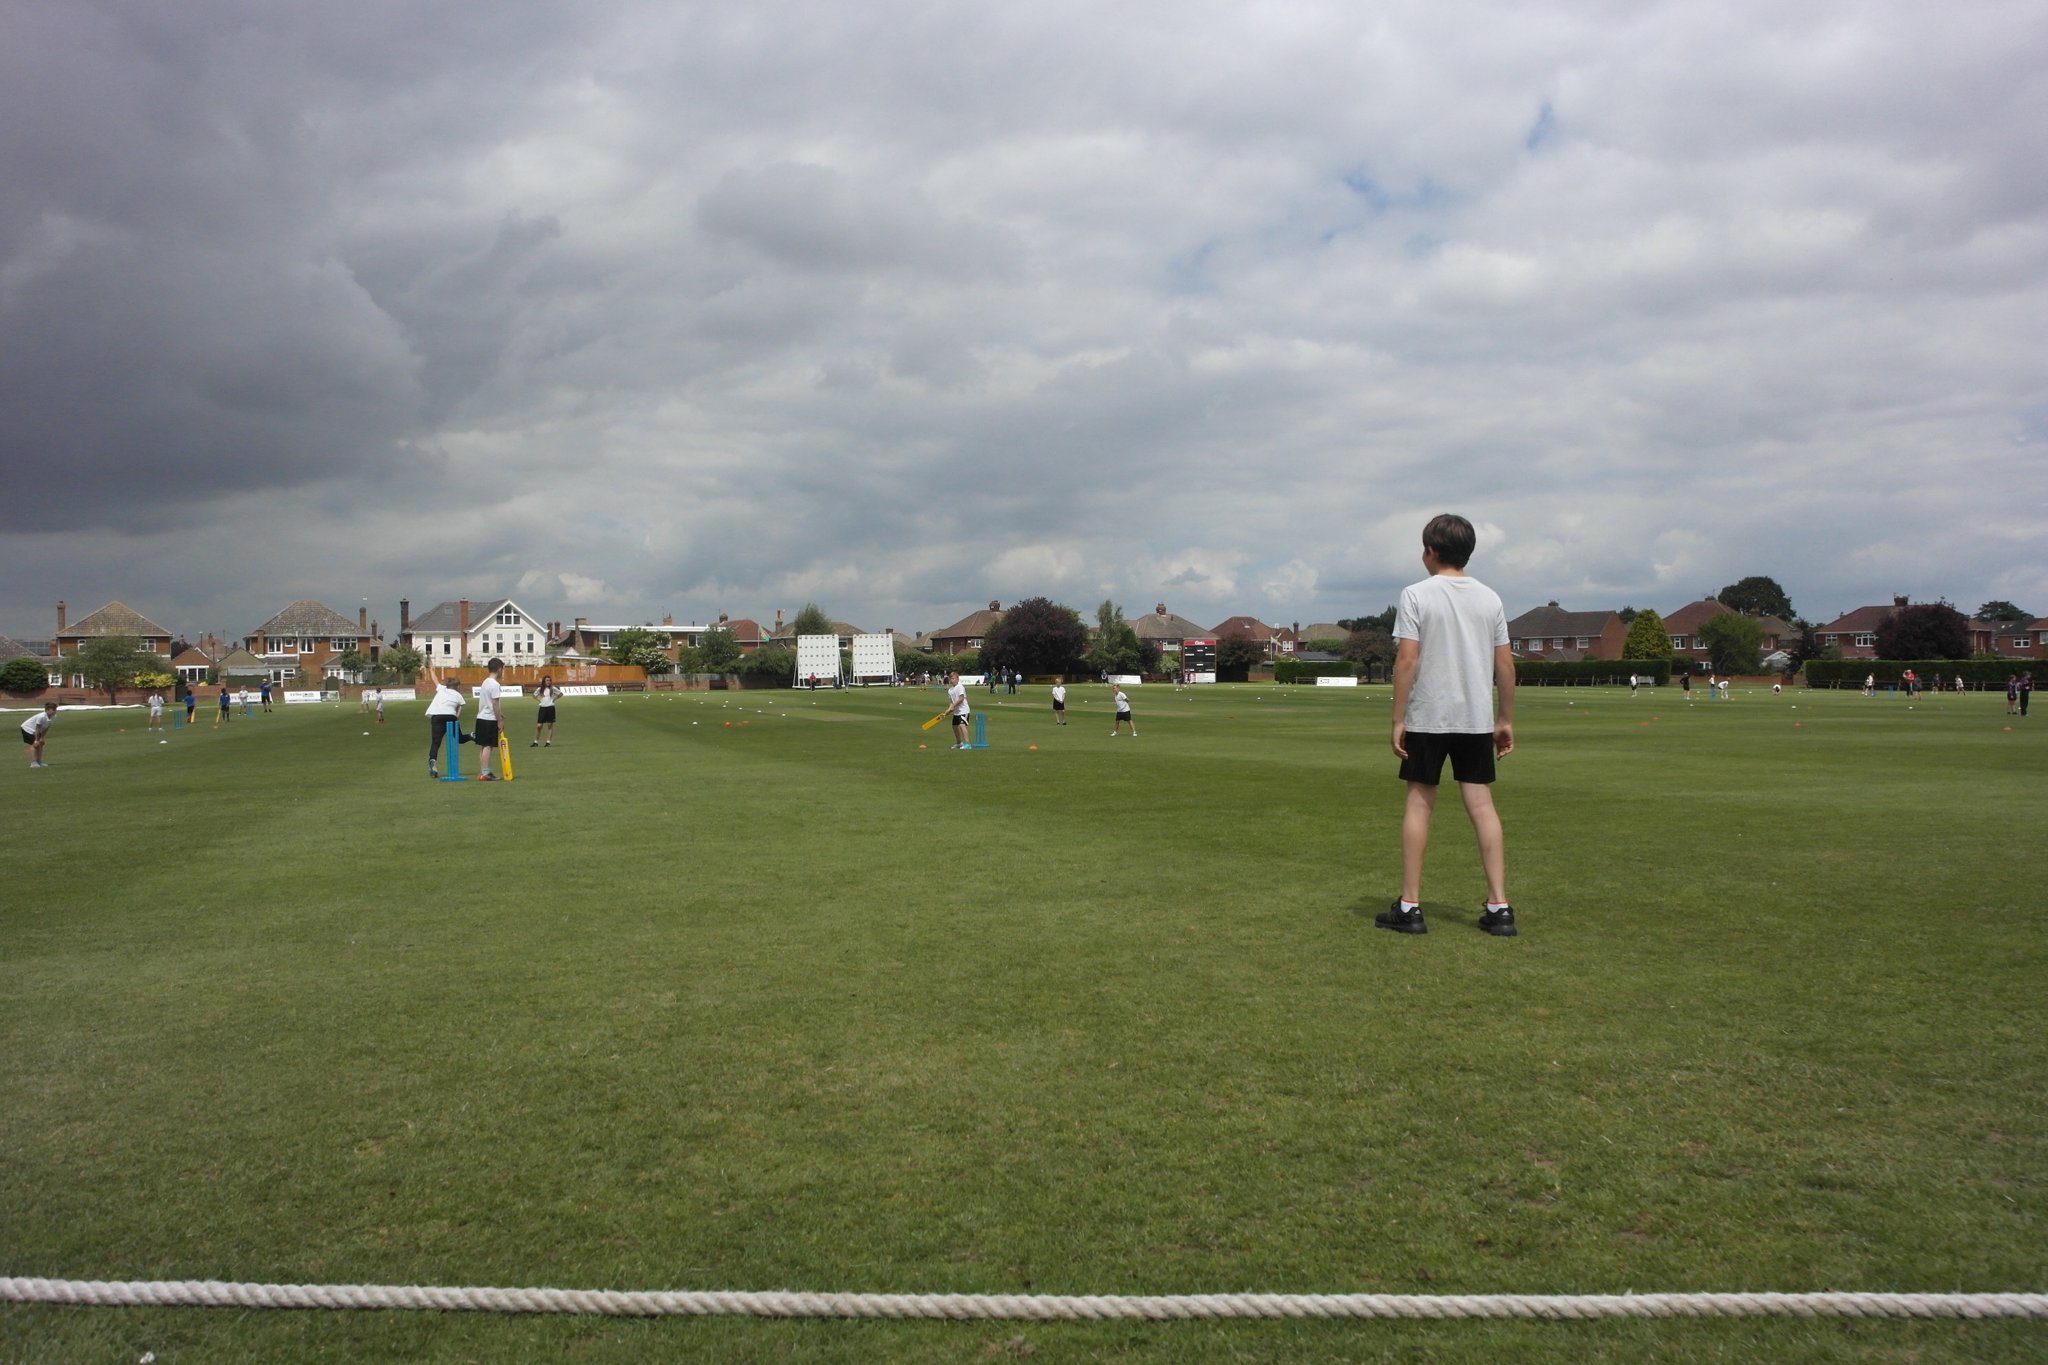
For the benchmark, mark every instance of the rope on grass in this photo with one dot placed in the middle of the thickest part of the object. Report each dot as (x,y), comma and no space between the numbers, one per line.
(1024,1307)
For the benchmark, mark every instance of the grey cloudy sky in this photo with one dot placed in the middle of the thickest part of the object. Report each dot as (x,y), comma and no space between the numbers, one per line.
(624,308)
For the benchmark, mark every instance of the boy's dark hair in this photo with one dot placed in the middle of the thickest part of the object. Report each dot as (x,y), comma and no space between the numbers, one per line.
(1452,537)
(496,665)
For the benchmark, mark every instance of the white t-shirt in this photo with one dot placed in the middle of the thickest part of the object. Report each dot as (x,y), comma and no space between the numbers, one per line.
(1123,703)
(1059,693)
(37,724)
(956,699)
(1459,622)
(447,701)
(547,695)
(487,694)
(156,703)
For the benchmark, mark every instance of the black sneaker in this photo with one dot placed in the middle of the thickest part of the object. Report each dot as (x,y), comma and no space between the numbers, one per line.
(1401,921)
(534,745)
(432,771)
(1500,923)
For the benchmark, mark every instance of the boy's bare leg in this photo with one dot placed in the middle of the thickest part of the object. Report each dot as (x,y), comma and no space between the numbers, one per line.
(1493,856)
(1415,838)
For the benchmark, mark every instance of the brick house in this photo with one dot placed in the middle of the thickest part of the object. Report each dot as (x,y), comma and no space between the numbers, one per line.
(1684,628)
(112,619)
(1168,630)
(1273,640)
(1855,632)
(303,638)
(968,632)
(1553,633)
(2019,641)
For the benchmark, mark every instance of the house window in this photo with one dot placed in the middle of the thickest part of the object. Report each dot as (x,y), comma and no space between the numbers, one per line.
(2022,642)
(1584,641)
(1557,644)
(447,648)
(604,641)
(341,646)
(508,617)
(1678,642)
(1867,641)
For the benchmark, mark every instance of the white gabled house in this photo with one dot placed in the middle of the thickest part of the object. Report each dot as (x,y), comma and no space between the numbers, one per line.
(462,629)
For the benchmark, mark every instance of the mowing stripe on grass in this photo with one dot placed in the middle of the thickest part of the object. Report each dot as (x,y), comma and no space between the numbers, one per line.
(1028,1307)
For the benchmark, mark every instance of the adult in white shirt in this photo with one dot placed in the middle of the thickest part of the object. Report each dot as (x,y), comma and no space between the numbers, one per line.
(34,730)
(956,705)
(156,710)
(489,700)
(1059,701)
(445,706)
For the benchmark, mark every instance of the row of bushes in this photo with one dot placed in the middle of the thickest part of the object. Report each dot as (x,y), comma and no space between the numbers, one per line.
(1295,670)
(1852,672)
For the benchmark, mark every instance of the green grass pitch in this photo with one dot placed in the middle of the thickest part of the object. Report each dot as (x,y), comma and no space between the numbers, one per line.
(751,991)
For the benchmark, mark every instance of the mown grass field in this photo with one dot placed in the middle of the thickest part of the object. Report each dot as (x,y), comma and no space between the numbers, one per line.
(792,1003)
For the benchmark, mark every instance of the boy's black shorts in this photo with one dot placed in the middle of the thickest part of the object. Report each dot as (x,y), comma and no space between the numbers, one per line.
(1471,758)
(487,733)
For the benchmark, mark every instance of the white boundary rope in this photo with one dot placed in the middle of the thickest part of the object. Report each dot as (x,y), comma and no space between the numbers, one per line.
(1029,1307)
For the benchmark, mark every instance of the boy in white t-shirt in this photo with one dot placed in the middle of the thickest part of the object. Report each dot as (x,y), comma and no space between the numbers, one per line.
(34,730)
(489,702)
(1451,662)
(956,705)
(156,711)
(1059,701)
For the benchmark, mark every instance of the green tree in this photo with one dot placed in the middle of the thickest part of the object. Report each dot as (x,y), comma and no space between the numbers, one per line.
(812,620)
(1647,637)
(1924,630)
(1734,642)
(1384,620)
(1037,635)
(1758,596)
(1627,615)
(354,663)
(2000,610)
(111,662)
(641,648)
(1372,646)
(24,674)
(718,649)
(403,663)
(1116,644)
(769,661)
(1237,656)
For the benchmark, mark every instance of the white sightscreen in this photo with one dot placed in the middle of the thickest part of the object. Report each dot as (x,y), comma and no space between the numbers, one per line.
(817,654)
(874,656)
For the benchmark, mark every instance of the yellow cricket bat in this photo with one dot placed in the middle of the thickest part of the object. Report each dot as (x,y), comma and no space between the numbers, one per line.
(936,719)
(505,755)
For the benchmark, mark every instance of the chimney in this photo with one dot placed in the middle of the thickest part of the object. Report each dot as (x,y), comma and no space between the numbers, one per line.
(1160,609)
(668,618)
(363,619)
(376,631)
(462,622)
(1896,602)
(723,618)
(995,606)
(1553,601)
(60,618)
(778,618)
(405,616)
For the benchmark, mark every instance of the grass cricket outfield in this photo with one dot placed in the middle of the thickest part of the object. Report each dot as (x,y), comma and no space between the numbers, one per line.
(750,991)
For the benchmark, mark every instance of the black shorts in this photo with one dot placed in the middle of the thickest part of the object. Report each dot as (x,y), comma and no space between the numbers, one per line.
(959,717)
(487,733)
(1471,757)
(27,738)
(1059,706)
(546,716)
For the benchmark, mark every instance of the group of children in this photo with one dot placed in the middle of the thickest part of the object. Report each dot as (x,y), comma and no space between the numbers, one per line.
(959,712)
(445,709)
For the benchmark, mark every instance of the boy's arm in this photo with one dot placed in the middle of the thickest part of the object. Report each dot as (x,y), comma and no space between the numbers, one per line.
(1504,705)
(1407,654)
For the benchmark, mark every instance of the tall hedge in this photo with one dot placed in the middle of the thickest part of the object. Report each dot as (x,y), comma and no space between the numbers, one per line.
(1301,670)
(1590,672)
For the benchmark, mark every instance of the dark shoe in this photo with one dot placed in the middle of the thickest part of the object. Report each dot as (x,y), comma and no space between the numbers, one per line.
(1401,921)
(487,777)
(1500,923)
(534,745)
